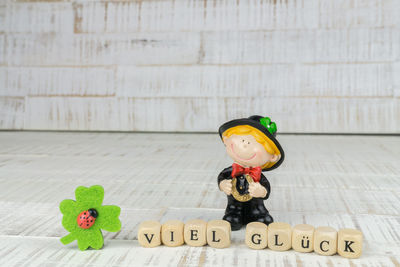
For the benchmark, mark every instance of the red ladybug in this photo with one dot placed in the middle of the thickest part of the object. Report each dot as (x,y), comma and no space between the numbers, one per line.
(87,218)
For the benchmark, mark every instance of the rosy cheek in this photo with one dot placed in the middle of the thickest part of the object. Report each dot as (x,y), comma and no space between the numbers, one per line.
(257,151)
(259,155)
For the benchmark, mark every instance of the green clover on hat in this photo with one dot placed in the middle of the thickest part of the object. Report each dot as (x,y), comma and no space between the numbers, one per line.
(270,125)
(106,217)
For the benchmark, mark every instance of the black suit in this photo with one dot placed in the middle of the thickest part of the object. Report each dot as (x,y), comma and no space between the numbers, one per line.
(240,213)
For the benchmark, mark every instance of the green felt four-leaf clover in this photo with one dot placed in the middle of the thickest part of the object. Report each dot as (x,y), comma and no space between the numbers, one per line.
(107,219)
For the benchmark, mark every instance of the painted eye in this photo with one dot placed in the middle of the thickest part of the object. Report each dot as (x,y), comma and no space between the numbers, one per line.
(243,140)
(248,143)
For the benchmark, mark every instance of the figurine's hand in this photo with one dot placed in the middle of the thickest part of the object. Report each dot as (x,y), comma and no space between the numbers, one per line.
(257,190)
(226,186)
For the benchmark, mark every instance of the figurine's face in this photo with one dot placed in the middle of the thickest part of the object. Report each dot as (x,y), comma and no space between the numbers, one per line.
(245,150)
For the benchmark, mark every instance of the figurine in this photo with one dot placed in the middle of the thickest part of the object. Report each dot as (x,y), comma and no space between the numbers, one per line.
(252,145)
(86,217)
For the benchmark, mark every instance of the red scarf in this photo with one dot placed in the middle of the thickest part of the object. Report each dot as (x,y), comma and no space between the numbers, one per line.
(254,172)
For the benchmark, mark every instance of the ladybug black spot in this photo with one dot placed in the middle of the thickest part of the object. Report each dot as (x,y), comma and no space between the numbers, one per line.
(91,220)
(87,224)
(84,213)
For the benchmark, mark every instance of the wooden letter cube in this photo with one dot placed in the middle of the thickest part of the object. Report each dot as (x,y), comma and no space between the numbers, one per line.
(218,234)
(325,240)
(172,233)
(149,234)
(256,235)
(195,233)
(279,236)
(350,243)
(303,238)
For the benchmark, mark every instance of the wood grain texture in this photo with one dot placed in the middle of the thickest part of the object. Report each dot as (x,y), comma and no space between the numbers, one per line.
(38,17)
(330,114)
(189,65)
(2,17)
(325,180)
(132,16)
(302,46)
(396,80)
(128,16)
(52,81)
(47,49)
(12,111)
(306,80)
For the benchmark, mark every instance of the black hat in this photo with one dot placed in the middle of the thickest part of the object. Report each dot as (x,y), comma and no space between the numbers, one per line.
(264,125)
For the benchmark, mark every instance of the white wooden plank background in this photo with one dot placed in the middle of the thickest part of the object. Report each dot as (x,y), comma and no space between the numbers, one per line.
(312,65)
(340,181)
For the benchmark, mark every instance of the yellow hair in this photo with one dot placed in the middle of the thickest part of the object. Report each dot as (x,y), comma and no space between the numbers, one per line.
(260,137)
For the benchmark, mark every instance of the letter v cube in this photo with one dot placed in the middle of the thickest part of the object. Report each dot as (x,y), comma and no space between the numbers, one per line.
(149,234)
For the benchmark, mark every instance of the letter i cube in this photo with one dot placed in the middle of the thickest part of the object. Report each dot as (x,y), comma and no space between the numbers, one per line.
(172,233)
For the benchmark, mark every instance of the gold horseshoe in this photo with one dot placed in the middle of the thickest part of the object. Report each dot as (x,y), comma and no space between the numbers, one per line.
(235,193)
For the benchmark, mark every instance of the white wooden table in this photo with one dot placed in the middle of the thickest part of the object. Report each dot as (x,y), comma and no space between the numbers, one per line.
(340,181)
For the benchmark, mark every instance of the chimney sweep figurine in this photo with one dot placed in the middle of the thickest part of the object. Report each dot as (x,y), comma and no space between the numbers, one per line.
(252,145)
